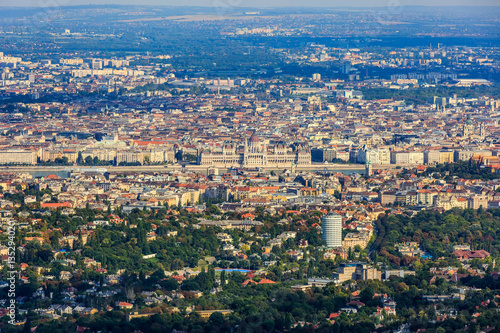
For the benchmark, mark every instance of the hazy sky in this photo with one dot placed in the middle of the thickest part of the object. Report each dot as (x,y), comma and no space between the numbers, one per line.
(256,3)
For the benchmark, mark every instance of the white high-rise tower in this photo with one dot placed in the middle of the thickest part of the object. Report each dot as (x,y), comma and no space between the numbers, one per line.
(332,230)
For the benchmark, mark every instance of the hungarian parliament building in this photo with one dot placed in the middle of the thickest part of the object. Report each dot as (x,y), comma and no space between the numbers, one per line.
(255,153)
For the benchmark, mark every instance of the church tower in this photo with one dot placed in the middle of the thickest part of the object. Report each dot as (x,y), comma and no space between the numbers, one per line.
(482,131)
(368,169)
(468,129)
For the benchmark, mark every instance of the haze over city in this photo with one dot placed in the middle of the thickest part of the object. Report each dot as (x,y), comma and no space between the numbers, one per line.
(257,3)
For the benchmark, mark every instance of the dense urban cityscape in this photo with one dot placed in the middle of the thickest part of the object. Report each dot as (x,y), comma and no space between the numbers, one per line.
(230,169)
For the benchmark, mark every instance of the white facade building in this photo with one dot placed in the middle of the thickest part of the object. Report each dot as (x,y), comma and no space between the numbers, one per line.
(374,156)
(332,230)
(255,153)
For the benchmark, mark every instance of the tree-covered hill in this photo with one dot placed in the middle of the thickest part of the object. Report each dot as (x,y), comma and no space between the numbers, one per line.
(438,232)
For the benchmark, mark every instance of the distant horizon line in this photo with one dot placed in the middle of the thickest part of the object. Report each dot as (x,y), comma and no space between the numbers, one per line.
(250,7)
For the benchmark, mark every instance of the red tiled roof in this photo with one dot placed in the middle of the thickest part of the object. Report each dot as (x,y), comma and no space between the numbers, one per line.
(55,204)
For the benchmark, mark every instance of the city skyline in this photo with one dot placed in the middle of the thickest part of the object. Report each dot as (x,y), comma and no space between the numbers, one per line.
(249,169)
